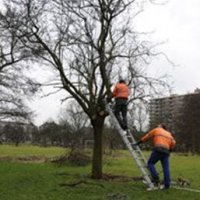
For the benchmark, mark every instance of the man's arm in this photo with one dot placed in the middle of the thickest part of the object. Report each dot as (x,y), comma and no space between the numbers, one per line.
(148,136)
(114,93)
(145,138)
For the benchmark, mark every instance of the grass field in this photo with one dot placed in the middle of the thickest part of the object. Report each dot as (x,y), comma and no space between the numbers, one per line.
(28,179)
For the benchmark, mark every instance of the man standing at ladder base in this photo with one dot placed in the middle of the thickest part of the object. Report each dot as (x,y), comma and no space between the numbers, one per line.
(163,143)
(120,93)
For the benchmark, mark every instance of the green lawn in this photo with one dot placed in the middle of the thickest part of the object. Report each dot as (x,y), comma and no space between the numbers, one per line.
(48,181)
(27,150)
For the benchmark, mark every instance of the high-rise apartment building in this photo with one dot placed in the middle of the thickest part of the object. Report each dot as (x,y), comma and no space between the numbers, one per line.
(167,110)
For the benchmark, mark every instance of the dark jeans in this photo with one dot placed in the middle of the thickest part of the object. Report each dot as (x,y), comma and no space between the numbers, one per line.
(164,159)
(120,111)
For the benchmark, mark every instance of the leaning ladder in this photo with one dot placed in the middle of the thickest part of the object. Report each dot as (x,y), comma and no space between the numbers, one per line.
(135,151)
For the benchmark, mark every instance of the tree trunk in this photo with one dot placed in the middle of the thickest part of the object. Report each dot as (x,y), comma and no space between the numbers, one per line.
(97,124)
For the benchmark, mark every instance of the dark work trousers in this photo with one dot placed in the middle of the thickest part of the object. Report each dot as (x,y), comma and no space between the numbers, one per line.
(120,111)
(164,159)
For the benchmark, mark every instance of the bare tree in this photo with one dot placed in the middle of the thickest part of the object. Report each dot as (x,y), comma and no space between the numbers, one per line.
(14,86)
(74,114)
(75,120)
(14,133)
(14,83)
(138,115)
(88,44)
(50,132)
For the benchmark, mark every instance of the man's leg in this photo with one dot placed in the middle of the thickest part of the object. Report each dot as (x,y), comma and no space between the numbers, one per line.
(166,171)
(154,158)
(124,116)
(117,112)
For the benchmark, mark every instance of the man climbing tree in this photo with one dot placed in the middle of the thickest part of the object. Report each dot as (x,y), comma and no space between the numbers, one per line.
(121,93)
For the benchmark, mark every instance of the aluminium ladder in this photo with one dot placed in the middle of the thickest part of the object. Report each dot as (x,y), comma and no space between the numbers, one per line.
(135,151)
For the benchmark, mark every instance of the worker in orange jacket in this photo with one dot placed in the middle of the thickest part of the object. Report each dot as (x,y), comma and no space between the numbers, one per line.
(121,93)
(163,143)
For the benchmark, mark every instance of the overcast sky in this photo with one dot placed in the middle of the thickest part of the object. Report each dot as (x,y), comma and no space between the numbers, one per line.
(178,23)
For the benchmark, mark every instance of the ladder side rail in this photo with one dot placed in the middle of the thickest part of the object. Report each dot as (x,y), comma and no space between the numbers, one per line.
(128,144)
(133,141)
(139,162)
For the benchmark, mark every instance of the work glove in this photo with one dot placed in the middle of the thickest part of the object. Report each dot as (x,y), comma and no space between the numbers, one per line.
(136,144)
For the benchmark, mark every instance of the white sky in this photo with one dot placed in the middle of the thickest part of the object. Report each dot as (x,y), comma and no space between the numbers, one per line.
(177,22)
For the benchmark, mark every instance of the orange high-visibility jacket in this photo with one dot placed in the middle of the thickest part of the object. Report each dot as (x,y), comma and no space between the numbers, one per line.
(161,138)
(121,91)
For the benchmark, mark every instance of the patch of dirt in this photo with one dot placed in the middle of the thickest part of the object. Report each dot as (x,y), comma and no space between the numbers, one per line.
(75,158)
(81,182)
(106,177)
(121,178)
(25,159)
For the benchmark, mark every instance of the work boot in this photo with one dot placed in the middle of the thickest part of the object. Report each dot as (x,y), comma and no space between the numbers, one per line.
(152,188)
(163,187)
(156,181)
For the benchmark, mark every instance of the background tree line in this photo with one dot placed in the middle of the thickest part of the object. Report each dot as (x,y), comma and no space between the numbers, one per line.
(56,134)
(74,131)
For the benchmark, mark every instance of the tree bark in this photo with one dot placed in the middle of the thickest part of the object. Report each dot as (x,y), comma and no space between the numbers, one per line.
(97,124)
